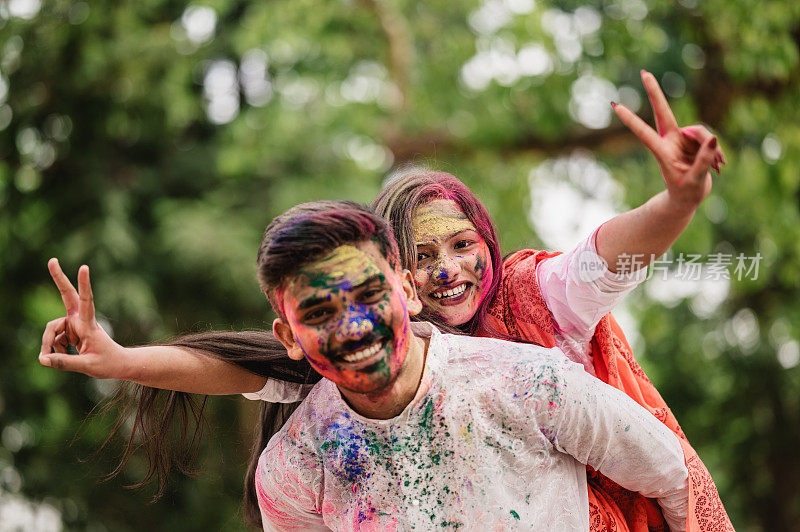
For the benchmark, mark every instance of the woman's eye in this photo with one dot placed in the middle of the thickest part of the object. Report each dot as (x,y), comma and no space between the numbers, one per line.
(421,256)
(461,244)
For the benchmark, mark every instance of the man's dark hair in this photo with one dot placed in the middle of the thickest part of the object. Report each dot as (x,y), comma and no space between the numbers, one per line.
(309,231)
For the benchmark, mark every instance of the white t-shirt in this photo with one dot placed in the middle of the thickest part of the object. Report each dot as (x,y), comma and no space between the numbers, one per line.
(496,438)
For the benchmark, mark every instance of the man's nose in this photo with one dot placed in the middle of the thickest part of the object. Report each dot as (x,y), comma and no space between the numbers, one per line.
(354,327)
(445,269)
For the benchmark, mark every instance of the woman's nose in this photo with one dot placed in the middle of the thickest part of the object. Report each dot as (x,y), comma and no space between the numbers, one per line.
(445,269)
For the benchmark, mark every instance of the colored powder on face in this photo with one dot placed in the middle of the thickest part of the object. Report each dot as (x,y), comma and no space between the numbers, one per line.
(480,266)
(346,265)
(432,222)
(514,514)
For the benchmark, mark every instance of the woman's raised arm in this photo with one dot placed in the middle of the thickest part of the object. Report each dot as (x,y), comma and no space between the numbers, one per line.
(158,366)
(686,155)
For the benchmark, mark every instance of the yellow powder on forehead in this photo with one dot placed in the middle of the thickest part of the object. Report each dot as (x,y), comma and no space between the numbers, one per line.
(345,263)
(433,223)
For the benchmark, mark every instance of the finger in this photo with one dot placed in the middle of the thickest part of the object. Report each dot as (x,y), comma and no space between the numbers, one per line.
(51,330)
(640,128)
(86,303)
(61,343)
(79,363)
(699,134)
(704,159)
(720,156)
(68,294)
(665,120)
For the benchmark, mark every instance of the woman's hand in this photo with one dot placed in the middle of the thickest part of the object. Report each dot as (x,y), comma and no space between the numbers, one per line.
(98,355)
(685,155)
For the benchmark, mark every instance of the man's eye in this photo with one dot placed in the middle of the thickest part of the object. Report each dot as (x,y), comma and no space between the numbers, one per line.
(461,244)
(372,295)
(316,316)
(421,256)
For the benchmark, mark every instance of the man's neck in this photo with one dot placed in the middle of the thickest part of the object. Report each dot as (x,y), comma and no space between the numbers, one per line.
(392,400)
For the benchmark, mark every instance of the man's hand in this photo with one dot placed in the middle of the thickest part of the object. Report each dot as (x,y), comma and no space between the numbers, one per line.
(685,155)
(98,355)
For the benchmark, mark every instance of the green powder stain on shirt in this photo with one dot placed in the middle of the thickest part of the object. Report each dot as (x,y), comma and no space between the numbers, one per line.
(426,421)
(515,514)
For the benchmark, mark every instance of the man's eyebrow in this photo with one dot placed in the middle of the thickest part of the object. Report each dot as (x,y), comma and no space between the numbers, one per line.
(313,301)
(448,237)
(317,300)
(377,278)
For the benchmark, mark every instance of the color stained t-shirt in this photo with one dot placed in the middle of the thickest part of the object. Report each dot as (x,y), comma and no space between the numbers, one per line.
(496,438)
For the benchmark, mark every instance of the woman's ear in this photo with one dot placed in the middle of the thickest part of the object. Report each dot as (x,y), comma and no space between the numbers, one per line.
(413,304)
(283,333)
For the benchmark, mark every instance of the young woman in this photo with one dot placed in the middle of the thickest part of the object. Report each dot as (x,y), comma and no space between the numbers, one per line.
(447,239)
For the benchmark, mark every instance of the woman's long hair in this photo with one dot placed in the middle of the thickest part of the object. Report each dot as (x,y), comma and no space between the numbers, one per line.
(168,425)
(157,411)
(291,240)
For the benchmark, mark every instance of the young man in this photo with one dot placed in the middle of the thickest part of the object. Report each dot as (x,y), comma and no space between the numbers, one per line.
(411,428)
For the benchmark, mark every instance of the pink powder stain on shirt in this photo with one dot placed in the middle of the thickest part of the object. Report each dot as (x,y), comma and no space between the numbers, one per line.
(281,510)
(367,518)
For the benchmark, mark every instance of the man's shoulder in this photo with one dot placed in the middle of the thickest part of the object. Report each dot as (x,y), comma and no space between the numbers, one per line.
(493,360)
(302,427)
(464,348)
(289,475)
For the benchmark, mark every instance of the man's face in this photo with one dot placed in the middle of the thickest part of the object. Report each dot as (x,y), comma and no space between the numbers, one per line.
(347,314)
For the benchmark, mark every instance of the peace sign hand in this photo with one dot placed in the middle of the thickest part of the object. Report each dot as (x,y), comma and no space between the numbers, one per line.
(685,155)
(98,355)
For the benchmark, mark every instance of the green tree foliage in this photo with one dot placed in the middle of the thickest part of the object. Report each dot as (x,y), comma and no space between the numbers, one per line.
(154,140)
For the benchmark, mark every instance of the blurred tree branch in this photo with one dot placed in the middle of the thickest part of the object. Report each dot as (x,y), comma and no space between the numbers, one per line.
(400,44)
(614,139)
(714,92)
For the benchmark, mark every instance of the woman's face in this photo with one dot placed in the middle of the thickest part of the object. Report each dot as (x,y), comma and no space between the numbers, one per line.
(454,266)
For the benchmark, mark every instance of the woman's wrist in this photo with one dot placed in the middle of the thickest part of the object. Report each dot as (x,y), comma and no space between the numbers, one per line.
(680,208)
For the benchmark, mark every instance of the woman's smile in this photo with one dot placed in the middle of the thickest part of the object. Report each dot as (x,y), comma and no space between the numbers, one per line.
(452,295)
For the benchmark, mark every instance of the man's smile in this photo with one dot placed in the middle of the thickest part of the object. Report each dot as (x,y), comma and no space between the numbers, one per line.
(363,357)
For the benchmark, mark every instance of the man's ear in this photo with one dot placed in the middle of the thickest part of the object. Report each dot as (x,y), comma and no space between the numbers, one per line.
(283,333)
(413,304)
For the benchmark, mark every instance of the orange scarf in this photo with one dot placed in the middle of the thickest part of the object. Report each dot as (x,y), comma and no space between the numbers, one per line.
(519,310)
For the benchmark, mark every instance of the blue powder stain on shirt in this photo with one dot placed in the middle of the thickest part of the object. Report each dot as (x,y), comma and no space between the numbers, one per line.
(346,450)
(366,514)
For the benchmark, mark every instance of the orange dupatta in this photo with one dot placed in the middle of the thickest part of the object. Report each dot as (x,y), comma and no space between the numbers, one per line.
(519,310)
